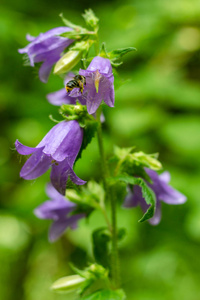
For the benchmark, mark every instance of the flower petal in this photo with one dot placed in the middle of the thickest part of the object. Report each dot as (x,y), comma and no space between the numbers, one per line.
(60,173)
(24,150)
(63,140)
(45,70)
(36,165)
(101,64)
(59,226)
(60,97)
(75,178)
(54,209)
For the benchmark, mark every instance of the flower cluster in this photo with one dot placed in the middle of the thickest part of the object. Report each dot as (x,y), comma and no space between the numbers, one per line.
(60,147)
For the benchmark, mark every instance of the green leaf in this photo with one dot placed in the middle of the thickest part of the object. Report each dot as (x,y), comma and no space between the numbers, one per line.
(87,197)
(68,23)
(89,132)
(118,53)
(101,238)
(147,193)
(106,295)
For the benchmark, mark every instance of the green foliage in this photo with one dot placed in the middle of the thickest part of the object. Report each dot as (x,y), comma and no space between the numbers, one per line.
(115,55)
(106,295)
(89,132)
(133,163)
(101,239)
(87,197)
(91,19)
(147,193)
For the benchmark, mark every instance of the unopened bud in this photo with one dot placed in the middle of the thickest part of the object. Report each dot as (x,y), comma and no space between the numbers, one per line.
(70,59)
(68,283)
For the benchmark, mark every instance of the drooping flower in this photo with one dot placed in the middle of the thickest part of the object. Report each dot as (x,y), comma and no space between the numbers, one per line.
(58,209)
(163,192)
(58,150)
(47,48)
(99,84)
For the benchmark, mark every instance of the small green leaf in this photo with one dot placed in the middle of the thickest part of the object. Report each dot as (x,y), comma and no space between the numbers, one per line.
(68,283)
(147,193)
(118,53)
(68,23)
(106,295)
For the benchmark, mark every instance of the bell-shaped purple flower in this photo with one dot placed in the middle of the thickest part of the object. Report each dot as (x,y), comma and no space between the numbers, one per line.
(99,84)
(163,192)
(59,209)
(47,48)
(58,150)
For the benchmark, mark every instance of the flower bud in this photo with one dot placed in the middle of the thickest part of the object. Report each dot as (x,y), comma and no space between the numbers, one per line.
(70,59)
(68,283)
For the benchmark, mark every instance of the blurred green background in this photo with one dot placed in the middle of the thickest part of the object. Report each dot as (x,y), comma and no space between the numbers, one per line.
(157,109)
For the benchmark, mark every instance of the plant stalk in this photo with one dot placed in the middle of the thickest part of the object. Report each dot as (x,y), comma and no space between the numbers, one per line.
(110,195)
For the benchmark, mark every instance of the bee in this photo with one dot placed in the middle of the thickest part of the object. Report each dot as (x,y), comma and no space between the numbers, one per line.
(77,82)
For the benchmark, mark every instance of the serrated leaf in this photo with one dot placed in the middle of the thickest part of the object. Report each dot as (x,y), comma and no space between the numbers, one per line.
(106,295)
(147,193)
(89,132)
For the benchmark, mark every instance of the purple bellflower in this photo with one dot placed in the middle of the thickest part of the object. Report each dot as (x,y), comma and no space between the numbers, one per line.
(47,48)
(58,150)
(59,210)
(163,192)
(99,84)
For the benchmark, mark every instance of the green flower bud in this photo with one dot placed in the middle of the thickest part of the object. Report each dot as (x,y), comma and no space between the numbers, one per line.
(68,283)
(70,59)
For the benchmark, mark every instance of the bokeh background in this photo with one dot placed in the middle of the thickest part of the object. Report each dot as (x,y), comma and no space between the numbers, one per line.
(157,109)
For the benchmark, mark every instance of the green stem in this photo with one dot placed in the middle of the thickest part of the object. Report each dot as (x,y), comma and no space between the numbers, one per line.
(110,195)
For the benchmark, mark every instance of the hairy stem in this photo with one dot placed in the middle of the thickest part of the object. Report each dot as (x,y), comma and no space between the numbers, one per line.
(110,196)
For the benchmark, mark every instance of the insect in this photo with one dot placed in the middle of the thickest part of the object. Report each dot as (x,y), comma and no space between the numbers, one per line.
(77,82)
